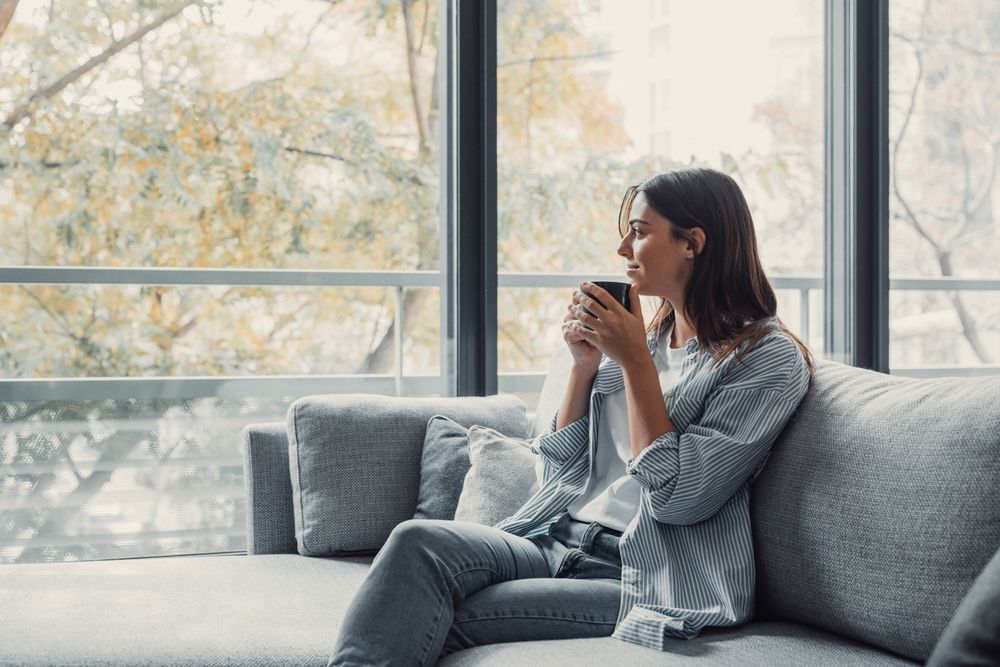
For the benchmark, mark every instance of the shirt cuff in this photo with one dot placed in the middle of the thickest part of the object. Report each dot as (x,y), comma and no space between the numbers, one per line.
(560,445)
(658,463)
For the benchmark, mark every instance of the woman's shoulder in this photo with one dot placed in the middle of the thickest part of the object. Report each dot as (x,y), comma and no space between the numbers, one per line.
(775,361)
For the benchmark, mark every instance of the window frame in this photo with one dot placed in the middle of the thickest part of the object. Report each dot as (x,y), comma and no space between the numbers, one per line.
(856,183)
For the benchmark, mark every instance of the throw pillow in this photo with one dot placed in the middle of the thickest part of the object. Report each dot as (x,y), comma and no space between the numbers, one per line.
(500,480)
(972,637)
(443,465)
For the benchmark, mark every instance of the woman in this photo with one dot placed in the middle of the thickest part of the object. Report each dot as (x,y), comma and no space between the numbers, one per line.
(641,527)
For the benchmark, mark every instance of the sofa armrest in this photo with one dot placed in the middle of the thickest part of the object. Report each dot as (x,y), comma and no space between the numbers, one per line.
(270,521)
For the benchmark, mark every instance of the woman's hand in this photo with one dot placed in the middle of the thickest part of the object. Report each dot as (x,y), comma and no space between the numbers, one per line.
(585,356)
(609,328)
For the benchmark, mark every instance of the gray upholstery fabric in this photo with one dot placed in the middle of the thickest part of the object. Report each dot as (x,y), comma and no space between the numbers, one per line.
(972,637)
(750,645)
(355,462)
(282,610)
(500,479)
(203,611)
(270,523)
(443,464)
(878,506)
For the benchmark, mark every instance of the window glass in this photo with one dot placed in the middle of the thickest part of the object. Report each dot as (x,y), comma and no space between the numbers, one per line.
(227,134)
(944,193)
(595,96)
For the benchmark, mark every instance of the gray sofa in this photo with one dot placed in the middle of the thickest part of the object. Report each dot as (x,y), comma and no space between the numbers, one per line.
(874,514)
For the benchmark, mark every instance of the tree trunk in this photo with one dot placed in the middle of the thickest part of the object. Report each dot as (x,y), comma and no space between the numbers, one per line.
(411,65)
(382,358)
(7,8)
(970,328)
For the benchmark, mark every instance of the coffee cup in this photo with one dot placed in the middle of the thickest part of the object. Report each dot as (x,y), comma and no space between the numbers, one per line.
(618,291)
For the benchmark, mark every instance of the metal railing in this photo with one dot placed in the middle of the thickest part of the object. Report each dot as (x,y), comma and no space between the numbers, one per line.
(178,388)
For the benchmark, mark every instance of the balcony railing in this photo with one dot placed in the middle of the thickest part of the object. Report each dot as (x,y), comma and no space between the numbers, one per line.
(396,383)
(283,387)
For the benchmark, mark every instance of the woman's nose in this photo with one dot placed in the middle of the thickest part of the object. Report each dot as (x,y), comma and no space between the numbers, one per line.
(625,247)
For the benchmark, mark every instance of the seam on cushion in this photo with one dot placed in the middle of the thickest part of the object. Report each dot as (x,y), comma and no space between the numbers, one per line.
(298,474)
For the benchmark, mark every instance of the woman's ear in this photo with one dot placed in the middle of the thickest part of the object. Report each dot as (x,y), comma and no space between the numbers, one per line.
(696,240)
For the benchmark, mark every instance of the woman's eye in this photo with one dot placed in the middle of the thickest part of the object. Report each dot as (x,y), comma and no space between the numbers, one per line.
(635,231)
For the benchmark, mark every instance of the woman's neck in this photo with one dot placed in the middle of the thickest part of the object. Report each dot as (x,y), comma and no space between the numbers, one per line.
(682,331)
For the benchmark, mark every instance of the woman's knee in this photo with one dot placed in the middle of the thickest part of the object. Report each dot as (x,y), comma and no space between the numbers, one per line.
(420,534)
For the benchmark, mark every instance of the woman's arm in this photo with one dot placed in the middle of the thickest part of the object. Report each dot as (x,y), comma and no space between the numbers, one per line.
(647,413)
(576,400)
(689,476)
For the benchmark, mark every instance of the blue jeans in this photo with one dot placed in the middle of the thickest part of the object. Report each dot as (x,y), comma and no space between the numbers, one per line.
(437,587)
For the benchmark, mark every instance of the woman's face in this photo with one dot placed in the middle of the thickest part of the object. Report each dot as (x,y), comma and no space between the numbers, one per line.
(656,261)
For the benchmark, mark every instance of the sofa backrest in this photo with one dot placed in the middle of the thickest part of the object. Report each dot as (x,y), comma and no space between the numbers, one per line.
(878,506)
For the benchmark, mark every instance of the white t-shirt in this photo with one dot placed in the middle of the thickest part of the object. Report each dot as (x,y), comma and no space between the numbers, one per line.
(612,496)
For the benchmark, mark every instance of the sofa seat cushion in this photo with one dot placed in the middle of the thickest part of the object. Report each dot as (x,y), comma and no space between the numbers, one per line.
(772,644)
(195,610)
(286,610)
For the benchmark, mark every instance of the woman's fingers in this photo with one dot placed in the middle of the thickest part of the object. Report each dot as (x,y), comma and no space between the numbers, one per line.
(582,299)
(597,295)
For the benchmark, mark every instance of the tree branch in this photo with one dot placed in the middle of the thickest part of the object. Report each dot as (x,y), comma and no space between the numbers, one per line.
(910,216)
(7,8)
(307,151)
(25,110)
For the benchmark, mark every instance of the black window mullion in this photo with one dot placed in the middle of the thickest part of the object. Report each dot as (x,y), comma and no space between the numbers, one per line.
(469,240)
(856,274)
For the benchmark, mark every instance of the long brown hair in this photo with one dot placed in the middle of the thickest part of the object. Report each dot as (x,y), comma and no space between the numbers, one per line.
(728,297)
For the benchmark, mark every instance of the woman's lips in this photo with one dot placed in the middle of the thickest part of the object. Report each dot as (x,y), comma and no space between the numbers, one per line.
(631,269)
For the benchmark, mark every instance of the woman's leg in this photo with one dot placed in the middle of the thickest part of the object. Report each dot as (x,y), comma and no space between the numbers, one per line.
(402,613)
(539,609)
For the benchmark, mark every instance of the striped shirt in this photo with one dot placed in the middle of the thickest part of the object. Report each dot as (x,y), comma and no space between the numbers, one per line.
(687,555)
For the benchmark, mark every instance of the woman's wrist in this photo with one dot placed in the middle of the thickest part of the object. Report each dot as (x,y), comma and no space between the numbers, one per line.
(639,365)
(584,370)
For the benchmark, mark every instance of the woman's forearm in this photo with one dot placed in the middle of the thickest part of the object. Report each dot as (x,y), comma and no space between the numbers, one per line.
(576,400)
(647,414)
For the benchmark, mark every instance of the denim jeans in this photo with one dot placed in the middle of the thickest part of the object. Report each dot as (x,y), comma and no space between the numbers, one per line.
(437,587)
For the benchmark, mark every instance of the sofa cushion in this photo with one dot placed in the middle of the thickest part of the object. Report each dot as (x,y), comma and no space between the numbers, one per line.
(364,450)
(261,611)
(748,645)
(973,635)
(443,464)
(500,480)
(190,611)
(877,508)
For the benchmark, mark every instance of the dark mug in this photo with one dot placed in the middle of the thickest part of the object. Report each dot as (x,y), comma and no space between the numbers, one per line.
(618,291)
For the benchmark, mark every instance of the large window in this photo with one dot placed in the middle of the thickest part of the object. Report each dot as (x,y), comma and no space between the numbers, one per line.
(944,190)
(596,95)
(206,210)
(209,209)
